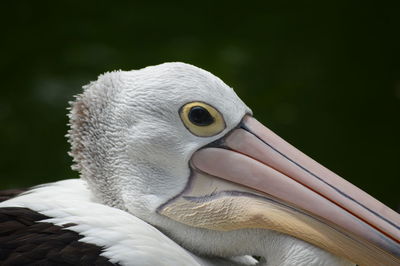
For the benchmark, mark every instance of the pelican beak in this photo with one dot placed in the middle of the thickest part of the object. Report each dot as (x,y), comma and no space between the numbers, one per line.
(254,179)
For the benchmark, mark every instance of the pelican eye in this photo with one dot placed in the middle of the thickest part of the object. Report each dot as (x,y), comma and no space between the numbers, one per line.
(202,119)
(199,116)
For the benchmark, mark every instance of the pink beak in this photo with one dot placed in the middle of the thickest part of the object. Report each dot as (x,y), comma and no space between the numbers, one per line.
(255,157)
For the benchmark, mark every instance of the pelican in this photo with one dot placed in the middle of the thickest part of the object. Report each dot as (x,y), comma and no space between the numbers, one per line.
(175,170)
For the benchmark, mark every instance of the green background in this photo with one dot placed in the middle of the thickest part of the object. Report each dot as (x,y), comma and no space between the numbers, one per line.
(325,75)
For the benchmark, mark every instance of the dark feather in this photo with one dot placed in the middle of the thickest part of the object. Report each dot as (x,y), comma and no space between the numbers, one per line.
(26,241)
(11,193)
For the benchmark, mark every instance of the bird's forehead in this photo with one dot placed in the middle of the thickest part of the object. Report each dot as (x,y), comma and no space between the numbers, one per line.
(174,84)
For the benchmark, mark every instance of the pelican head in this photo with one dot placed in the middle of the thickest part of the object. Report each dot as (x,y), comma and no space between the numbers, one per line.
(175,146)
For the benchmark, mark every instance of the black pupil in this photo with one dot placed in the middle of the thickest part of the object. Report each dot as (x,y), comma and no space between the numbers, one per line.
(200,116)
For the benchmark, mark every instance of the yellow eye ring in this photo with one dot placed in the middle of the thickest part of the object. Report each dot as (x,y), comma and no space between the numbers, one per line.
(202,119)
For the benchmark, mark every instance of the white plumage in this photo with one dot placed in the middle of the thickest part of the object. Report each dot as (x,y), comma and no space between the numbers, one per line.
(126,239)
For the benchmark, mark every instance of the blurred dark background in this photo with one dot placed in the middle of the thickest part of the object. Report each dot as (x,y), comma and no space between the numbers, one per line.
(324,75)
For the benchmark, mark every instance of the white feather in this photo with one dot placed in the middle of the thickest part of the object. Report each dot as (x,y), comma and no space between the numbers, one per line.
(126,239)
